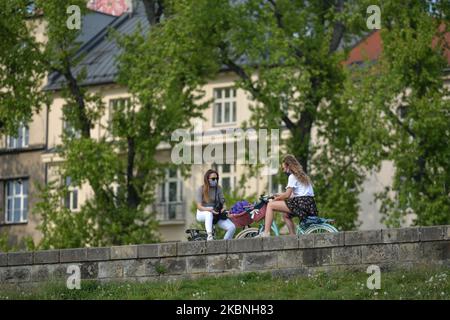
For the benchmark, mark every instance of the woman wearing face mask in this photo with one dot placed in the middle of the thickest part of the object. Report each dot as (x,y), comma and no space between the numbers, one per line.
(208,197)
(297,201)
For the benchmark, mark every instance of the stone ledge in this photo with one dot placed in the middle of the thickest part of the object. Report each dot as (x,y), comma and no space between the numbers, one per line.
(46,257)
(124,252)
(245,245)
(400,235)
(98,254)
(20,258)
(432,233)
(192,248)
(353,238)
(73,255)
(3,259)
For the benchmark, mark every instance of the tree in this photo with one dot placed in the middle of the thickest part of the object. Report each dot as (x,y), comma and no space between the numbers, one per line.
(123,170)
(22,70)
(410,103)
(287,55)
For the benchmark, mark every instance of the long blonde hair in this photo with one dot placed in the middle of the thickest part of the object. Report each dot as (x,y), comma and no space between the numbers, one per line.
(296,169)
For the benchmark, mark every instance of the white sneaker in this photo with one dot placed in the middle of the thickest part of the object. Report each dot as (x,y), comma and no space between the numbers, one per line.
(263,235)
(210,237)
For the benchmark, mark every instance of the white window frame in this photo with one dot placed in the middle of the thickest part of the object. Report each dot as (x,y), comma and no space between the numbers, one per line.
(225,175)
(219,105)
(69,129)
(166,186)
(23,133)
(73,193)
(279,187)
(11,198)
(111,103)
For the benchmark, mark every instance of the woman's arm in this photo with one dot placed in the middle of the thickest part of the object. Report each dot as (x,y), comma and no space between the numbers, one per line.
(202,208)
(284,195)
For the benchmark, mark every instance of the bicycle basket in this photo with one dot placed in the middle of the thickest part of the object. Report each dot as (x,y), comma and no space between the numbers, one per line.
(241,219)
(259,214)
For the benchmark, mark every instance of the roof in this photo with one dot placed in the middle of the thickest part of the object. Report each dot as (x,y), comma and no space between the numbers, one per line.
(98,50)
(371,47)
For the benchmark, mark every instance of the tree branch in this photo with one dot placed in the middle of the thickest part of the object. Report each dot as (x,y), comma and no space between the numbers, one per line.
(154,10)
(338,30)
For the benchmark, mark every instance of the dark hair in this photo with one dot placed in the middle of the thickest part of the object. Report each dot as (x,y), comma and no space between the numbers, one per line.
(206,184)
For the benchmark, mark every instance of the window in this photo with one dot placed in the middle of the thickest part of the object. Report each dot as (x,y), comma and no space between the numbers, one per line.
(71,198)
(16,200)
(227,176)
(20,140)
(70,131)
(171,195)
(116,105)
(274,184)
(224,106)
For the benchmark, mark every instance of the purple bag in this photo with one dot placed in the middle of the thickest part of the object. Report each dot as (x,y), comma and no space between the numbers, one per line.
(239,207)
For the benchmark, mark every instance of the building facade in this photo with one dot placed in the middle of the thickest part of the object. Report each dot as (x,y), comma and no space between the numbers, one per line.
(31,159)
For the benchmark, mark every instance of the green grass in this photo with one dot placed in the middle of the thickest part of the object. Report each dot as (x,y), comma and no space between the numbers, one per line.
(415,284)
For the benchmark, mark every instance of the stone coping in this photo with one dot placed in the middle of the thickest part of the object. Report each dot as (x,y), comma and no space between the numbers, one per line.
(235,246)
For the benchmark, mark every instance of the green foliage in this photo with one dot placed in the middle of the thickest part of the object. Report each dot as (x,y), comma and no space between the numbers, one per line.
(419,283)
(409,112)
(121,168)
(22,71)
(293,49)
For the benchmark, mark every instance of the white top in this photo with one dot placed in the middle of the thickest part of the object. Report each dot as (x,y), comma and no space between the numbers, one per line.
(298,188)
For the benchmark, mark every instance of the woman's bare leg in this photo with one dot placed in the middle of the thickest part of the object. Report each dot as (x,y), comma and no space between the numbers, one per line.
(289,223)
(271,206)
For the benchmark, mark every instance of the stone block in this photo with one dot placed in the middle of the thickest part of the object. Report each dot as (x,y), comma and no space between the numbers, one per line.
(174,265)
(322,240)
(352,238)
(148,251)
(316,257)
(98,254)
(400,235)
(197,264)
(346,255)
(46,257)
(289,259)
(191,248)
(245,245)
(73,255)
(134,268)
(259,261)
(216,246)
(124,252)
(431,233)
(89,270)
(280,243)
(3,259)
(110,269)
(306,241)
(20,258)
(168,249)
(379,253)
(409,251)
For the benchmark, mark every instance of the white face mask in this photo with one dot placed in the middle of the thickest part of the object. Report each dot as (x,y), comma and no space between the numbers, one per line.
(212,183)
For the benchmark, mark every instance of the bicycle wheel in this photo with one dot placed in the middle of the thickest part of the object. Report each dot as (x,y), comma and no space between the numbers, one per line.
(320,228)
(247,233)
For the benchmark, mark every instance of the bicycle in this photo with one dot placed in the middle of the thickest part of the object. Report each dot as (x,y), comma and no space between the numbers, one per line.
(256,213)
(200,234)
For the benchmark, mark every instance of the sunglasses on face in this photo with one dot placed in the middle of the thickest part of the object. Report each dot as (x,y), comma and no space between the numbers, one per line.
(213,179)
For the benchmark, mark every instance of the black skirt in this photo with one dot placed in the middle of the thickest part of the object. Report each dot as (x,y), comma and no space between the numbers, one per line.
(301,206)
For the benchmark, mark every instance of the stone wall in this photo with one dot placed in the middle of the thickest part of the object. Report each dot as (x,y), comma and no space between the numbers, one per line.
(282,256)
